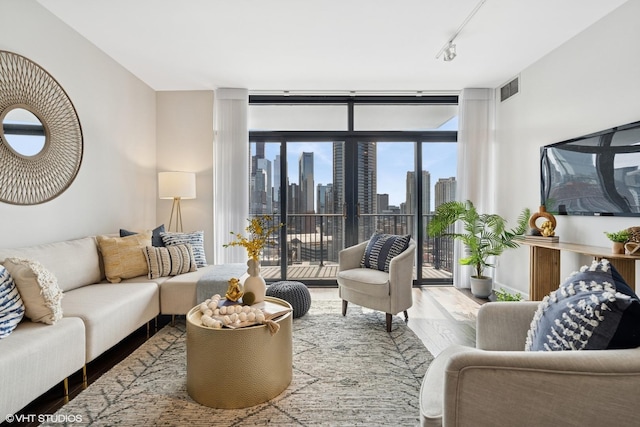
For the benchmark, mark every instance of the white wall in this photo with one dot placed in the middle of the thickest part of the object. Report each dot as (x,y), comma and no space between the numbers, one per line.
(185,143)
(588,84)
(116,184)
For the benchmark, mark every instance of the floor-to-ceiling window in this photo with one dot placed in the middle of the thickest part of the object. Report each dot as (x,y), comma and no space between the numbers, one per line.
(336,169)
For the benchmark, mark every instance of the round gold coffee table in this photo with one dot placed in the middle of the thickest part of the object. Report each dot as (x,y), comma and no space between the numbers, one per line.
(238,368)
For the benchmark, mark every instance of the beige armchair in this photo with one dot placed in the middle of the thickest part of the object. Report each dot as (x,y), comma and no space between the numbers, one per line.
(388,292)
(499,384)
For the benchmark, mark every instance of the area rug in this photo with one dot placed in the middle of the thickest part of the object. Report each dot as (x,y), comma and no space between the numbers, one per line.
(347,371)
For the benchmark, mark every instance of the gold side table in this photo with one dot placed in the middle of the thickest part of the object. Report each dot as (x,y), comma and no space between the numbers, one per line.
(238,368)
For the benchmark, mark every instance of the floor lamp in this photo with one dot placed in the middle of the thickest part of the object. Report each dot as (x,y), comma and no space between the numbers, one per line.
(176,186)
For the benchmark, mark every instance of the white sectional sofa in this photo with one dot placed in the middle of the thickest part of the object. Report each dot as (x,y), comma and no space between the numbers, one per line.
(97,315)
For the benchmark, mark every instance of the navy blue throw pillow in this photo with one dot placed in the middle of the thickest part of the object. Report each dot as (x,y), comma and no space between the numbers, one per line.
(593,309)
(381,249)
(156,239)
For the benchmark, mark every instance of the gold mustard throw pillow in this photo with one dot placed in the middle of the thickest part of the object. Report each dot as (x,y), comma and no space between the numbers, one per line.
(170,260)
(123,257)
(39,290)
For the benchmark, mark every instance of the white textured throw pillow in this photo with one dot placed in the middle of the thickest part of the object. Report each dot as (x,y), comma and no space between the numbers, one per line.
(38,287)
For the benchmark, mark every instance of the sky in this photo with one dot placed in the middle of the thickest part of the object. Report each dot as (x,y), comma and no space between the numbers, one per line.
(394,160)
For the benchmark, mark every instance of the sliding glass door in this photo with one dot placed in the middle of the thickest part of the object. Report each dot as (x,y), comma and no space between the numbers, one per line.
(334,187)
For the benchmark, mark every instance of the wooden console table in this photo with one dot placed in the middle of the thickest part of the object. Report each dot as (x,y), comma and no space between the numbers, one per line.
(544,265)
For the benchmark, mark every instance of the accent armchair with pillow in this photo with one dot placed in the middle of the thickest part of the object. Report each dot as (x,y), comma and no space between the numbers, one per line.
(559,381)
(378,274)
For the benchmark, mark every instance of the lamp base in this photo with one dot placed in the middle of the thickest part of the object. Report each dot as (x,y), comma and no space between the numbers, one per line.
(176,208)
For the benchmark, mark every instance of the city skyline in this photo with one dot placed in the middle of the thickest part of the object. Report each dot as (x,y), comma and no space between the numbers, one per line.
(393,162)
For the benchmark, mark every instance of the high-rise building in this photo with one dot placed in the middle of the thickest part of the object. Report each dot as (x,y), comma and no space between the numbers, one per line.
(411,196)
(261,190)
(367,185)
(383,203)
(276,183)
(307,192)
(367,179)
(445,191)
(321,198)
(338,177)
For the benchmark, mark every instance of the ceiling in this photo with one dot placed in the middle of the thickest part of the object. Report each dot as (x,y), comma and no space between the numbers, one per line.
(326,45)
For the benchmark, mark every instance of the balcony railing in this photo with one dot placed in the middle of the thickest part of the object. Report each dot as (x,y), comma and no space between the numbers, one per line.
(313,242)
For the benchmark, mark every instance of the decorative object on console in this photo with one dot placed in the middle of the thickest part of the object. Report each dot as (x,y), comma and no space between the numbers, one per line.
(195,239)
(176,186)
(11,305)
(38,289)
(484,235)
(594,309)
(547,227)
(123,257)
(40,137)
(618,238)
(632,246)
(259,232)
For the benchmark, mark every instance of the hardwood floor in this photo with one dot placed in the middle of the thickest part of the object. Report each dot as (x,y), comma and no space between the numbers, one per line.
(440,316)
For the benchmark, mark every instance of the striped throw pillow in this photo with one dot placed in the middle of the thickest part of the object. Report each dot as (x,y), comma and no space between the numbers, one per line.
(169,261)
(11,306)
(195,239)
(382,248)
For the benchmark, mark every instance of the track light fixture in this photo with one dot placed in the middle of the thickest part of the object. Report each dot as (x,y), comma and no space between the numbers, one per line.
(450,52)
(449,49)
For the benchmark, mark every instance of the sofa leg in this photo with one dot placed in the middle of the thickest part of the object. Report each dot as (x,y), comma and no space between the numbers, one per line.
(84,377)
(406,316)
(389,319)
(344,307)
(173,320)
(65,385)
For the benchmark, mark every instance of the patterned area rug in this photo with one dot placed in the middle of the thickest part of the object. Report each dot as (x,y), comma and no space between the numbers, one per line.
(347,371)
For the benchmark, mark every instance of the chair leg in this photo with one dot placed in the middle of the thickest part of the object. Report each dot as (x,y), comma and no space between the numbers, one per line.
(389,319)
(344,307)
(406,316)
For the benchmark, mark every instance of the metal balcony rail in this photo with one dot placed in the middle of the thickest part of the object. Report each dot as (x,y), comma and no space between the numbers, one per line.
(313,242)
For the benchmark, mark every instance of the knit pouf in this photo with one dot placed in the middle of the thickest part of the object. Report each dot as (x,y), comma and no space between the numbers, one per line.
(295,293)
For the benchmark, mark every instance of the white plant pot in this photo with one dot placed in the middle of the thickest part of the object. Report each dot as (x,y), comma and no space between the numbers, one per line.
(481,288)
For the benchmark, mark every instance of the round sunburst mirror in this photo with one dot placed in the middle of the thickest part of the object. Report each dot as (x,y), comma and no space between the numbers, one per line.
(40,138)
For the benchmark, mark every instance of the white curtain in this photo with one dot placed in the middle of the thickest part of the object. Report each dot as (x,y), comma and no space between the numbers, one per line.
(476,136)
(230,172)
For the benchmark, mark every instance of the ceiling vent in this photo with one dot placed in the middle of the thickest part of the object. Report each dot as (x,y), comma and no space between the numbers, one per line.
(510,89)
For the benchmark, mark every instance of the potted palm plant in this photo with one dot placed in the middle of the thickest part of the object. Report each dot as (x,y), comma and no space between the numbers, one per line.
(483,235)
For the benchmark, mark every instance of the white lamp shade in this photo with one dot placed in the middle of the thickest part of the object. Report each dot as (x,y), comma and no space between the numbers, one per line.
(172,185)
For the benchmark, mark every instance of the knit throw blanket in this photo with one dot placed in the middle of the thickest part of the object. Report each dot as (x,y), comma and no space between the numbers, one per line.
(216,280)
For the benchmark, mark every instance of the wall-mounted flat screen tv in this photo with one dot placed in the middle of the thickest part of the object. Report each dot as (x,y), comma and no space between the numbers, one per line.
(596,174)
